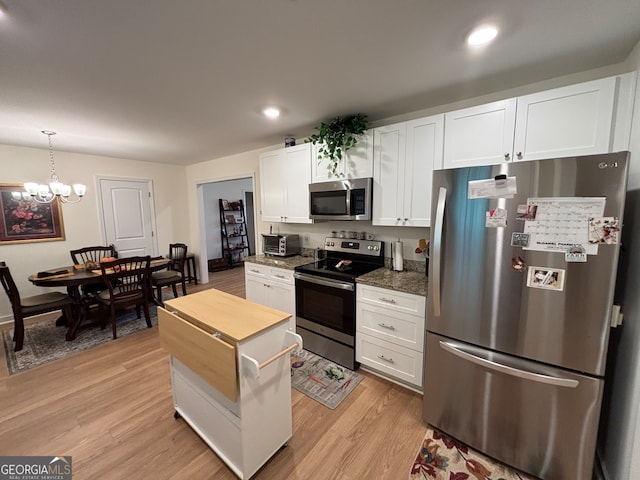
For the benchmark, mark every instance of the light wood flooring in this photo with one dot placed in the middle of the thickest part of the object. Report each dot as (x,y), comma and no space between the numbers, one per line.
(111,409)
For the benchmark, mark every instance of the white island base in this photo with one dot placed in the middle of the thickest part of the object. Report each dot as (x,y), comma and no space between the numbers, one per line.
(248,424)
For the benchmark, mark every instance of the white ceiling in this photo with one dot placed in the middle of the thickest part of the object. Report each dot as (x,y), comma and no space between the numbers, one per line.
(184,81)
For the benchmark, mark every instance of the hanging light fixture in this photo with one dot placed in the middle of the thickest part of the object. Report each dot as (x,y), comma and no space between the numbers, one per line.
(42,193)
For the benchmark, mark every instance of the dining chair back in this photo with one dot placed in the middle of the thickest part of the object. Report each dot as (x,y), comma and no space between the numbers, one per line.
(30,306)
(92,255)
(174,275)
(127,281)
(81,256)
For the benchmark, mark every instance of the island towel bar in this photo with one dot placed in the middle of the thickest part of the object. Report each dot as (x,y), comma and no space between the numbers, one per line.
(253,367)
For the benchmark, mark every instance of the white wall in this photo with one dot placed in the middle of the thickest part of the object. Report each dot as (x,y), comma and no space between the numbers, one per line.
(81,220)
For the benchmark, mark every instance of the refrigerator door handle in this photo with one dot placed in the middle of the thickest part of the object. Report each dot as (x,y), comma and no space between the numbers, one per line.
(516,372)
(437,250)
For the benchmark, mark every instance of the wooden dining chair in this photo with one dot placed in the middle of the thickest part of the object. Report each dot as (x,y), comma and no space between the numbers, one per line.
(94,255)
(24,307)
(174,275)
(127,281)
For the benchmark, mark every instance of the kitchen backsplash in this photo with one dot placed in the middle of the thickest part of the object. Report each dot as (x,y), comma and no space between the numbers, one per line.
(312,236)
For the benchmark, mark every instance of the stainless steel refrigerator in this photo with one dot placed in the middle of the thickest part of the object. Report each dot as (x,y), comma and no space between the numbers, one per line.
(521,281)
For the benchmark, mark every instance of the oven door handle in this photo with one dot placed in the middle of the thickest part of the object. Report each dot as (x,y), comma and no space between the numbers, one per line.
(324,282)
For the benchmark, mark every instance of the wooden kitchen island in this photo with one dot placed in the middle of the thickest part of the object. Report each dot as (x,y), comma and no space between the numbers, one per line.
(230,371)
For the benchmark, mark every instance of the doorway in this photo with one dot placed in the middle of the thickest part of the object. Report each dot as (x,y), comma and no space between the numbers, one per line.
(209,195)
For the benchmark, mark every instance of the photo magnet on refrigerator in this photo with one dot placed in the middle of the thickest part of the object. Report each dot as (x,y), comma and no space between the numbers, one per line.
(546,278)
(496,218)
(575,254)
(604,230)
(526,212)
(519,239)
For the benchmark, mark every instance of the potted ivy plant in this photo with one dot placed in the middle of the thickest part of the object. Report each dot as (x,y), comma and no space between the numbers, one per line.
(338,136)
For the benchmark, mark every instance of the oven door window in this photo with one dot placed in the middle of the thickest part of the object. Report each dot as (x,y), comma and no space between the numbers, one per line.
(330,307)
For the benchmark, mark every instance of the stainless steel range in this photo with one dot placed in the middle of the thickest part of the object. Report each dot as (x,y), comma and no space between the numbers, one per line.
(326,297)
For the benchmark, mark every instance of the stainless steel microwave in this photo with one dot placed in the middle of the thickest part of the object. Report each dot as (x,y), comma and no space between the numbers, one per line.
(281,245)
(341,200)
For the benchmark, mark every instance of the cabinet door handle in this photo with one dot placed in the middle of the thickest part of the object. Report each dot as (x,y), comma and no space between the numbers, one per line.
(254,271)
(385,359)
(388,327)
(519,155)
(279,276)
(387,300)
(507,156)
(398,219)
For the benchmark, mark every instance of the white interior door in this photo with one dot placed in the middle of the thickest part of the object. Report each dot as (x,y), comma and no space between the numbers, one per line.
(127,213)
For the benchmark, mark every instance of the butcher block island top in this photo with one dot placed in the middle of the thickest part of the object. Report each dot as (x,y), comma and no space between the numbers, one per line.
(233,317)
(204,330)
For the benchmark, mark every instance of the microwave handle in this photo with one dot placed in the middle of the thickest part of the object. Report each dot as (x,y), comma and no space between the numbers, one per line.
(348,201)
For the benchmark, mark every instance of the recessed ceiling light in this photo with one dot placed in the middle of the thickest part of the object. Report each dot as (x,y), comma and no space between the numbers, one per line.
(271,112)
(482,35)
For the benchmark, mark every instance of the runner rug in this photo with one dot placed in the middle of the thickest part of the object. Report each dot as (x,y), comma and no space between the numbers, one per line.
(443,458)
(322,380)
(44,342)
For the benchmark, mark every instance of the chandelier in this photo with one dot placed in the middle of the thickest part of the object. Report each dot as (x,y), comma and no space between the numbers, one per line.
(42,193)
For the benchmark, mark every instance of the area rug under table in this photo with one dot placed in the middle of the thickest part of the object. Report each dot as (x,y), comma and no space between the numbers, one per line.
(443,458)
(320,379)
(44,342)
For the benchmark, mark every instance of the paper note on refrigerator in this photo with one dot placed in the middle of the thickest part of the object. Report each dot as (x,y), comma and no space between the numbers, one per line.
(492,188)
(562,223)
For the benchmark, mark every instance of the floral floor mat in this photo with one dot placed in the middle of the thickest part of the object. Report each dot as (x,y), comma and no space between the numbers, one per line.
(321,379)
(443,458)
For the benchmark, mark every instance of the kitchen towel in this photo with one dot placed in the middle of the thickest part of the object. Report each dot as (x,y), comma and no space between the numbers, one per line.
(397,256)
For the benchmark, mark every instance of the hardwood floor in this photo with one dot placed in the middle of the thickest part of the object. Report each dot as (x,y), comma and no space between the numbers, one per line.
(111,409)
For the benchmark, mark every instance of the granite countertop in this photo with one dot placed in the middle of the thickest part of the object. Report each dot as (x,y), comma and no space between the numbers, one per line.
(406,281)
(288,263)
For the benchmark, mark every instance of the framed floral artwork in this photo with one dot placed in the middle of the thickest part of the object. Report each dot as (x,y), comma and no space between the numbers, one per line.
(25,220)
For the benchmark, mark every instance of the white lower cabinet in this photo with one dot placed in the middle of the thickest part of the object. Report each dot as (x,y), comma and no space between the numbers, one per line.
(390,333)
(273,287)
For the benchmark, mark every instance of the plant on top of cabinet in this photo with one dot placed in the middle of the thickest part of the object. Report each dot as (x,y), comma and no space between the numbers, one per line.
(338,136)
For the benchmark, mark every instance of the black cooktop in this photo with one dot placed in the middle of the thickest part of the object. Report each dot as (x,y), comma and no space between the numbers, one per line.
(333,268)
(347,259)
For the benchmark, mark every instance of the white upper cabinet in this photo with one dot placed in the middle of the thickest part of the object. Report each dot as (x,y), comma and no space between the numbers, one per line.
(356,163)
(285,175)
(567,121)
(405,155)
(481,135)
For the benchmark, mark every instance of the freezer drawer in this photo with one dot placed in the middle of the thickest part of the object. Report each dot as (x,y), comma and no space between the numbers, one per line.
(536,418)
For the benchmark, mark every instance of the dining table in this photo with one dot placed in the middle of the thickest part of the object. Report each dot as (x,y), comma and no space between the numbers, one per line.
(73,277)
